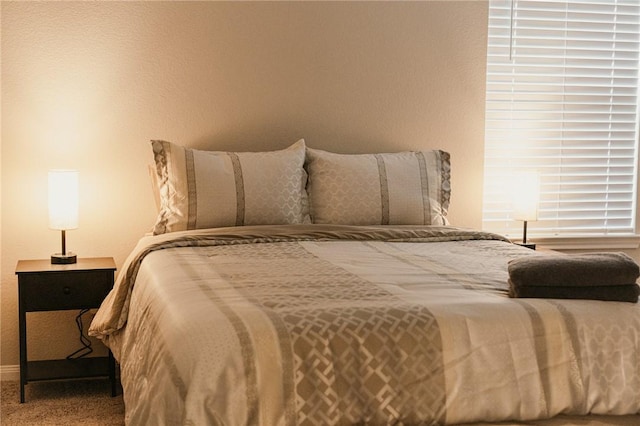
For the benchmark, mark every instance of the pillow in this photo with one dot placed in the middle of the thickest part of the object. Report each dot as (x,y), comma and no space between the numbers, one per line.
(206,189)
(405,188)
(154,186)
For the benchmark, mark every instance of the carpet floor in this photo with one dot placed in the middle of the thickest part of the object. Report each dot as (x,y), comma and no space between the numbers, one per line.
(68,403)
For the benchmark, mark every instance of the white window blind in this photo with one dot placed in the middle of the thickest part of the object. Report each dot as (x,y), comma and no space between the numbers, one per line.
(562,99)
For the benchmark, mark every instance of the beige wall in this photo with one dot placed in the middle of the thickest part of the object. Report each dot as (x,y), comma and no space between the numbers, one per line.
(86,85)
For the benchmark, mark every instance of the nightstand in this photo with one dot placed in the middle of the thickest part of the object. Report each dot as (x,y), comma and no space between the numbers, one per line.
(43,286)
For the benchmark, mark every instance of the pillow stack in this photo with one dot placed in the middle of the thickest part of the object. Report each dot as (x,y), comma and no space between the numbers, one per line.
(596,276)
(200,189)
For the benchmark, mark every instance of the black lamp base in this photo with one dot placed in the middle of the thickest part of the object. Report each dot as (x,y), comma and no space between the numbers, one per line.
(528,245)
(63,259)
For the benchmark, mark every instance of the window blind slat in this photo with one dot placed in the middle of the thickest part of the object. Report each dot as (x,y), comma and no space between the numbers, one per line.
(562,98)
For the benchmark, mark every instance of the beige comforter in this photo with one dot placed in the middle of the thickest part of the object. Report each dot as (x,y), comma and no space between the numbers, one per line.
(340,325)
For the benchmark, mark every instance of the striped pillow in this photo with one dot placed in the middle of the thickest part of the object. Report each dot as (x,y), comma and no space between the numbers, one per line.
(206,189)
(405,188)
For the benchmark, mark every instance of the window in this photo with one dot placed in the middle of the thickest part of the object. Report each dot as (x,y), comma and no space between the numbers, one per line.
(562,99)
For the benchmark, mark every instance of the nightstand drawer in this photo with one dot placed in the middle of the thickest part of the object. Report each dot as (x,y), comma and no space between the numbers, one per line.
(56,291)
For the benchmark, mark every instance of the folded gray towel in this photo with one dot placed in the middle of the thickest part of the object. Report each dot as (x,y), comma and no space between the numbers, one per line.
(591,269)
(619,293)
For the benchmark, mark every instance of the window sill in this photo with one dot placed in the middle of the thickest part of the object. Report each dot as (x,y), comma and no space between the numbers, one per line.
(599,243)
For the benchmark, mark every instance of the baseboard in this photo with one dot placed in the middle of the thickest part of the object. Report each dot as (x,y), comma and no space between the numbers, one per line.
(9,373)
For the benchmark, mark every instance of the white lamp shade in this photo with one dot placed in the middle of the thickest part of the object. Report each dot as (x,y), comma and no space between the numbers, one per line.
(63,199)
(526,194)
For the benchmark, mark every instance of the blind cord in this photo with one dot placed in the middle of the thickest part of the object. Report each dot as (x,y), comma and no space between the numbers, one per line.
(511,30)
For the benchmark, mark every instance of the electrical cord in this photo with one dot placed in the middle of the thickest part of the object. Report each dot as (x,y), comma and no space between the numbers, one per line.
(86,348)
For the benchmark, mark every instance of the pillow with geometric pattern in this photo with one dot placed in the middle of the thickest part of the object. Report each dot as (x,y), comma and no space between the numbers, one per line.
(404,188)
(206,189)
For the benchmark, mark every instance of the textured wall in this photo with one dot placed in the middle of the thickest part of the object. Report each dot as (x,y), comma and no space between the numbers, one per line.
(86,85)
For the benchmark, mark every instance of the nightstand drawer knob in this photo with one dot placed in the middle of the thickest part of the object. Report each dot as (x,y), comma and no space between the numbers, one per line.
(66,290)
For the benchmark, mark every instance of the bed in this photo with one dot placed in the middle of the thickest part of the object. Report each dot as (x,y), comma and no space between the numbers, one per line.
(311,320)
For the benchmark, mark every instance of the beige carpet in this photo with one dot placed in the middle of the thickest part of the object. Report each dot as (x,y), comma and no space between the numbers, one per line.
(68,403)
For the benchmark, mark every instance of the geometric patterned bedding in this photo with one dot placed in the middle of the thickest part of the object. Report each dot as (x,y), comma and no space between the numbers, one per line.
(318,325)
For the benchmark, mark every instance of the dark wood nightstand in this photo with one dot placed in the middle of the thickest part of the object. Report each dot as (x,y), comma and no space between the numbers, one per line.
(46,287)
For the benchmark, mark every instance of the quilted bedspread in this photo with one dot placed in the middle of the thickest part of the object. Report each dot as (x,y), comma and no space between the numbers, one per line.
(322,325)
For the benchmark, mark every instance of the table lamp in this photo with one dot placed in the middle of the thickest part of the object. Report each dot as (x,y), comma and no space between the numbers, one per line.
(525,200)
(63,209)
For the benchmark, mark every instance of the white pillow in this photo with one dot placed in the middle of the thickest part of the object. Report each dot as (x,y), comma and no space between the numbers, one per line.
(205,189)
(405,188)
